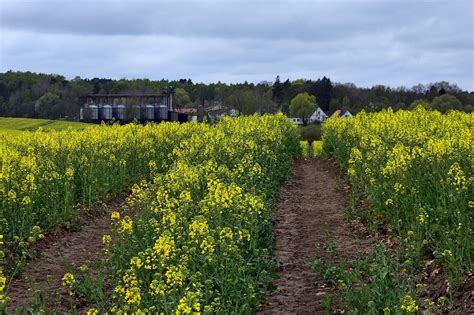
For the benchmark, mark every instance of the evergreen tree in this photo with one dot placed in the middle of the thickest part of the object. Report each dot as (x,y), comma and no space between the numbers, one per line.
(278,91)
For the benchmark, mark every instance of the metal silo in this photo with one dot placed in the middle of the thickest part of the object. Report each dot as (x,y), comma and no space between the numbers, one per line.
(93,112)
(136,112)
(162,112)
(156,108)
(150,112)
(106,112)
(119,112)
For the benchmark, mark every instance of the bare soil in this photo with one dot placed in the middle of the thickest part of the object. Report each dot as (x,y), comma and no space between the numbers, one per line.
(59,249)
(464,297)
(310,213)
(437,286)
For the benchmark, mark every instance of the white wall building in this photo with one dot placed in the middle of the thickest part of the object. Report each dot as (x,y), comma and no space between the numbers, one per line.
(296,120)
(233,112)
(318,115)
(347,114)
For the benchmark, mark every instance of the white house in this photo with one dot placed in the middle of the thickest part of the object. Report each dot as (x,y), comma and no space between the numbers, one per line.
(338,113)
(233,112)
(347,114)
(296,120)
(318,115)
(217,110)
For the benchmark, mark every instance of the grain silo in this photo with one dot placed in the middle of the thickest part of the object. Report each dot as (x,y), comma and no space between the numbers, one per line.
(119,112)
(150,112)
(162,113)
(106,112)
(93,113)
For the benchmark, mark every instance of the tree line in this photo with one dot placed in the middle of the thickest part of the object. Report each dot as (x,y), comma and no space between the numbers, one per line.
(51,96)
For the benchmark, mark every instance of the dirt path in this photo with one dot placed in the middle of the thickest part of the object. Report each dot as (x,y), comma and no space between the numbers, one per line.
(310,212)
(45,271)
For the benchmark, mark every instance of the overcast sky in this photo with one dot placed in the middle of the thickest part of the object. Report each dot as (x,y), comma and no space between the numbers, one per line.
(396,43)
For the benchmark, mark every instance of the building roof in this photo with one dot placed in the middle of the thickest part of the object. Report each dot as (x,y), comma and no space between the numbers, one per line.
(186,110)
(337,113)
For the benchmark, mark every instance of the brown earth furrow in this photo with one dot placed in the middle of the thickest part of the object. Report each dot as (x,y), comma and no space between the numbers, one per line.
(45,271)
(310,212)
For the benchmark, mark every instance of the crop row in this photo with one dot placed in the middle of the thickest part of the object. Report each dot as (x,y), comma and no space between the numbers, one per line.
(45,176)
(416,171)
(200,236)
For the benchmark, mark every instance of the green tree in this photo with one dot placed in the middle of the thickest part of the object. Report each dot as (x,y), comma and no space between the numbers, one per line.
(346,103)
(334,105)
(303,105)
(446,102)
(242,100)
(422,102)
(298,83)
(468,108)
(277,91)
(182,97)
(48,106)
(264,101)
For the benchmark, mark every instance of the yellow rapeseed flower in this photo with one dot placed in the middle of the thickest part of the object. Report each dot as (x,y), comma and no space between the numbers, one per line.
(68,280)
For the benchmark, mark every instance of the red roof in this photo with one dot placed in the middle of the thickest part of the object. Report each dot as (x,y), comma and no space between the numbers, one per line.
(186,110)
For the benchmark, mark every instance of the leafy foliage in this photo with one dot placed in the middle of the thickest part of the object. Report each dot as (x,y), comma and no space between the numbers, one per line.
(21,91)
(303,105)
(445,102)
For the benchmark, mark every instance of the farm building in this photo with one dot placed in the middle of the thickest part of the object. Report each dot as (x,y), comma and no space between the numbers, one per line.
(217,110)
(347,114)
(339,113)
(130,107)
(318,116)
(296,120)
(191,112)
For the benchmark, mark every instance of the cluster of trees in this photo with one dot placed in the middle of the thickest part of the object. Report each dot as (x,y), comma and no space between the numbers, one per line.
(27,94)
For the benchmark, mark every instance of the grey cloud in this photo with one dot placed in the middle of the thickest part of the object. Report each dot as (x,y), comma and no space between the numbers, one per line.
(228,19)
(366,42)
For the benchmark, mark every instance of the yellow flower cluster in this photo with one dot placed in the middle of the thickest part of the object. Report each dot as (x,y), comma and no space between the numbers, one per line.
(317,147)
(3,283)
(201,234)
(409,304)
(106,239)
(126,225)
(115,216)
(3,279)
(68,280)
(2,253)
(44,175)
(416,169)
(304,146)
(92,311)
(189,303)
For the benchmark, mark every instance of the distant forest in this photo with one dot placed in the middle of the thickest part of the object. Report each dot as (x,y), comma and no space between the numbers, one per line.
(27,94)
